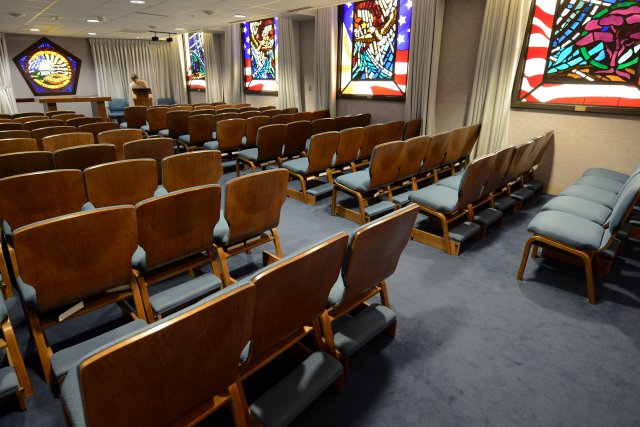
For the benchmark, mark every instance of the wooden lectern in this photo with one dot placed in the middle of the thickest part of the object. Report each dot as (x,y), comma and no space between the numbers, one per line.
(143,96)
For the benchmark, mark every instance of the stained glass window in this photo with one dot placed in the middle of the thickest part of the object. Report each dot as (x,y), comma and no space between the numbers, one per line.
(374,48)
(260,42)
(196,70)
(48,69)
(581,55)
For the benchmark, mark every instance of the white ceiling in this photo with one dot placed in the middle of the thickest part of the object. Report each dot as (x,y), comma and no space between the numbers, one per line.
(122,19)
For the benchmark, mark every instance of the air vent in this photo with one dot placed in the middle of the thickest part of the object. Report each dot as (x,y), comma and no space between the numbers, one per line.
(152,14)
(299,9)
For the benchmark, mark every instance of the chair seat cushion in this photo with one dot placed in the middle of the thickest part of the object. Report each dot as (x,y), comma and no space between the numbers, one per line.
(351,333)
(601,183)
(164,133)
(570,229)
(211,145)
(522,194)
(452,181)
(8,382)
(586,192)
(145,127)
(358,181)
(534,185)
(402,199)
(116,114)
(221,231)
(337,293)
(139,259)
(579,207)
(184,294)
(488,217)
(504,203)
(244,142)
(438,197)
(72,398)
(4,313)
(607,173)
(320,190)
(299,166)
(185,138)
(250,154)
(123,125)
(67,359)
(381,208)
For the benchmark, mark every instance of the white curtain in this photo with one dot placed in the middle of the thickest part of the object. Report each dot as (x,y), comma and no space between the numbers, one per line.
(326,52)
(289,64)
(424,57)
(7,97)
(212,62)
(160,64)
(502,33)
(233,65)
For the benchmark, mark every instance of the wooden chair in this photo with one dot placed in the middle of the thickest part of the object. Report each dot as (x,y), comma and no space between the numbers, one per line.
(39,134)
(371,258)
(228,136)
(51,114)
(282,119)
(327,124)
(5,116)
(269,107)
(181,108)
(349,145)
(175,235)
(14,378)
(295,140)
(156,120)
(251,215)
(11,126)
(250,113)
(203,106)
(66,117)
(291,297)
(96,128)
(434,158)
(18,133)
(191,169)
(78,258)
(411,129)
(66,140)
(119,137)
(37,124)
(27,114)
(200,131)
(290,110)
(321,114)
(79,121)
(16,145)
(125,182)
(308,170)
(393,131)
(84,156)
(246,109)
(252,125)
(233,111)
(25,119)
(25,162)
(304,116)
(361,120)
(271,112)
(32,197)
(409,167)
(98,392)
(150,148)
(220,106)
(269,148)
(177,124)
(203,111)
(344,122)
(134,117)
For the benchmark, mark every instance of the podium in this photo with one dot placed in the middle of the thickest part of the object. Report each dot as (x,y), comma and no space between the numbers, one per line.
(143,96)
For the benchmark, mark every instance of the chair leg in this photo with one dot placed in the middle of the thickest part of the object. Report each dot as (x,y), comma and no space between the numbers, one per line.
(333,201)
(43,349)
(7,288)
(224,268)
(237,167)
(276,242)
(363,219)
(525,256)
(15,358)
(142,288)
(588,267)
(239,405)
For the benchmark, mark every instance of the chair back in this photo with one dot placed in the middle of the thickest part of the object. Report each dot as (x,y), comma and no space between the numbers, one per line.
(37,124)
(305,115)
(373,135)
(361,120)
(177,225)
(411,129)
(220,106)
(150,148)
(11,126)
(436,152)
(321,114)
(229,134)
(40,133)
(475,180)
(351,140)
(268,107)
(188,108)
(384,164)
(503,159)
(79,121)
(292,293)
(455,145)
(135,116)
(222,115)
(373,252)
(206,370)
(322,148)
(271,112)
(201,128)
(96,128)
(521,162)
(291,110)
(295,141)
(327,124)
(178,123)
(117,105)
(157,118)
(413,154)
(203,106)
(27,114)
(251,128)
(25,162)
(191,169)
(282,119)
(627,198)
(84,156)
(469,137)
(36,196)
(66,117)
(344,122)
(247,114)
(58,113)
(270,141)
(66,140)
(17,133)
(541,144)
(253,203)
(16,145)
(233,111)
(125,182)
(25,119)
(87,253)
(119,137)
(393,131)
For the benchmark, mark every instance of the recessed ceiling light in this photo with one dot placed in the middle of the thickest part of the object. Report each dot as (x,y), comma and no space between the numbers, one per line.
(239,15)
(93,20)
(92,34)
(137,1)
(35,30)
(180,29)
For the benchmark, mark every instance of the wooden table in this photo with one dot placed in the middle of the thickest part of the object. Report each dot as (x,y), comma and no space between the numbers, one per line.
(97,103)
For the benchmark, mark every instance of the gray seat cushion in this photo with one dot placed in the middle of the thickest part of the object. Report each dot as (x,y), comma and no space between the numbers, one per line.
(123,125)
(576,232)
(452,181)
(438,197)
(145,128)
(164,133)
(522,194)
(504,203)
(299,166)
(351,333)
(381,208)
(221,231)
(402,199)
(297,390)
(184,138)
(606,173)
(586,192)
(184,294)
(579,207)
(488,217)
(139,259)
(4,313)
(358,181)
(337,293)
(8,382)
(601,183)
(211,145)
(72,399)
(250,154)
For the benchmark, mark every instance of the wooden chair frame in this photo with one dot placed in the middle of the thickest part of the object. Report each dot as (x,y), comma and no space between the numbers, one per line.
(14,357)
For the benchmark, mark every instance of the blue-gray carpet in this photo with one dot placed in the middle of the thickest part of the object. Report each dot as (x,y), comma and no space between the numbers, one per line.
(473,346)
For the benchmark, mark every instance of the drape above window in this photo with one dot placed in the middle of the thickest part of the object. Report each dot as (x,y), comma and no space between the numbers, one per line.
(212,62)
(326,50)
(233,63)
(289,64)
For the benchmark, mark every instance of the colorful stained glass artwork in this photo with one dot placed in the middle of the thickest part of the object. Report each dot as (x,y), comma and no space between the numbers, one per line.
(48,69)
(196,70)
(260,42)
(374,48)
(581,55)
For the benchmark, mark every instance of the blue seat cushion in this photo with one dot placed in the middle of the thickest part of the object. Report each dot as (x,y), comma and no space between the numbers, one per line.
(579,207)
(67,359)
(145,127)
(72,398)
(27,293)
(139,259)
(452,181)
(358,181)
(211,145)
(586,192)
(601,183)
(4,313)
(607,173)
(221,231)
(116,114)
(351,333)
(8,382)
(337,292)
(123,125)
(185,138)
(570,229)
(164,133)
(283,402)
(244,141)
(249,154)
(438,197)
(184,294)
(504,203)
(402,199)
(299,166)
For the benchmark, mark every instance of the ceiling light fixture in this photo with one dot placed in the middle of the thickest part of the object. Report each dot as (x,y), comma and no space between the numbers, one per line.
(137,1)
(94,20)
(239,15)
(35,30)
(169,39)
(92,34)
(180,29)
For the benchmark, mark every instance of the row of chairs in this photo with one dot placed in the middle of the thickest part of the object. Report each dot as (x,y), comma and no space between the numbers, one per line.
(117,106)
(35,114)
(45,122)
(39,133)
(270,313)
(588,221)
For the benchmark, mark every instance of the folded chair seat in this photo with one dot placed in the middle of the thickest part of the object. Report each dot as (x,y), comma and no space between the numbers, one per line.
(352,332)
(9,382)
(601,183)
(580,207)
(596,195)
(570,229)
(606,173)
